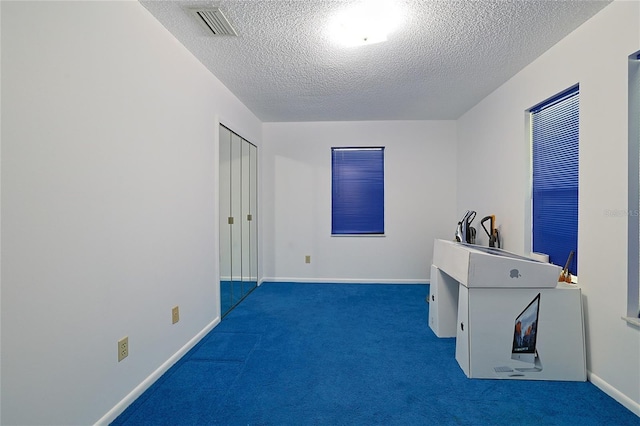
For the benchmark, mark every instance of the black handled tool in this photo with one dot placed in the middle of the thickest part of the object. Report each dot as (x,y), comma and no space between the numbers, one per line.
(494,236)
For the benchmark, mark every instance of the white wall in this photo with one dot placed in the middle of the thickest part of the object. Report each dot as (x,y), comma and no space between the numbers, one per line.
(109,210)
(493,177)
(296,206)
(109,214)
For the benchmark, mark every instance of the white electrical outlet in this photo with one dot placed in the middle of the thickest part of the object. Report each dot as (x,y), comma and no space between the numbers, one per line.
(123,348)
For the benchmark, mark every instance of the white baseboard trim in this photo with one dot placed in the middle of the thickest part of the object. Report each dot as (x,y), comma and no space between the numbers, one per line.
(614,393)
(119,408)
(343,280)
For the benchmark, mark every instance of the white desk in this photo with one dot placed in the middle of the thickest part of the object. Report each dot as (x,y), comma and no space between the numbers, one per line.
(478,295)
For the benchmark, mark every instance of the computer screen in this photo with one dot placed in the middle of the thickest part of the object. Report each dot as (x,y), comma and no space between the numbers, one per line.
(525,332)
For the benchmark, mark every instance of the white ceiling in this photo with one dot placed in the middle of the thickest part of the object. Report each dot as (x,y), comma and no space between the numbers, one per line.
(445,58)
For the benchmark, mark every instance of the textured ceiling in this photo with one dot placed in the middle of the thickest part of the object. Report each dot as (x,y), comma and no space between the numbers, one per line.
(445,57)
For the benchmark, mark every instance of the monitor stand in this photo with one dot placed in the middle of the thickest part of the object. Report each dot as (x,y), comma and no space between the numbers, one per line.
(537,366)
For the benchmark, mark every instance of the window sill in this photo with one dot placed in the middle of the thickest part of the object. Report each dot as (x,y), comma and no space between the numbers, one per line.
(632,321)
(357,235)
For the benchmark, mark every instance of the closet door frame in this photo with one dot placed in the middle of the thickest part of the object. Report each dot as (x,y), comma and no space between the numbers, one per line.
(239,230)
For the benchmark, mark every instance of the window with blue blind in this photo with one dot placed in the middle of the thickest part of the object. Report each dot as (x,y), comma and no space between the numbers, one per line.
(357,191)
(555,128)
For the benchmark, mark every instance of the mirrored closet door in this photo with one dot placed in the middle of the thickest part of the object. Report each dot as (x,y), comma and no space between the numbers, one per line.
(238,219)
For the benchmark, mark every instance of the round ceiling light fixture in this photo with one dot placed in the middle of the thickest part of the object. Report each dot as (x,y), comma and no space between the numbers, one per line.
(365,22)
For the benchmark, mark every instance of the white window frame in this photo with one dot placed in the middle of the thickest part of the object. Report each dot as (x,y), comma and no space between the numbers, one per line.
(633,240)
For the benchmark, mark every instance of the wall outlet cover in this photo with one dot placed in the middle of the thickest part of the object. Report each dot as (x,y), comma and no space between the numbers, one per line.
(175,314)
(123,348)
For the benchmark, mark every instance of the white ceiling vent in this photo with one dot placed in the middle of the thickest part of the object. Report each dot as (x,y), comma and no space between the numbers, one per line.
(213,20)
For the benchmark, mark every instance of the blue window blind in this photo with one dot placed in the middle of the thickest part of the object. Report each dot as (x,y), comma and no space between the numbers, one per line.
(555,178)
(357,191)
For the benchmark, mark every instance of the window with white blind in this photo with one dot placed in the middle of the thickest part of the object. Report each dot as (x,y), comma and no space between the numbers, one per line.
(554,133)
(357,191)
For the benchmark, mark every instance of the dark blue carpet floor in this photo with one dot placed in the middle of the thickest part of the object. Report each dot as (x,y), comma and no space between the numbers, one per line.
(329,354)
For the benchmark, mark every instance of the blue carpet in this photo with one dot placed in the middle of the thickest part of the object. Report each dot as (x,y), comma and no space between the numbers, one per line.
(329,354)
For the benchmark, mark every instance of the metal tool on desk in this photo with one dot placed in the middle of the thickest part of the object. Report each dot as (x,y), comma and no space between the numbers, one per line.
(565,275)
(465,233)
(494,236)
